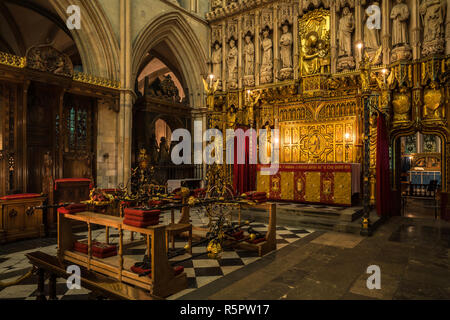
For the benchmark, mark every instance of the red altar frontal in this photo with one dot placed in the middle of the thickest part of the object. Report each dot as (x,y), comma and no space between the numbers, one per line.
(312,183)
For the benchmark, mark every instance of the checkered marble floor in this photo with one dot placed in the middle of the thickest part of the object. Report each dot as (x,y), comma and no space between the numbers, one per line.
(200,270)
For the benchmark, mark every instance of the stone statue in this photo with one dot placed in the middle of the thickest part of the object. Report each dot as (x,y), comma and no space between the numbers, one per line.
(164,156)
(286,41)
(267,58)
(433,17)
(216,59)
(310,61)
(249,61)
(345,30)
(400,15)
(253,100)
(232,63)
(59,66)
(346,27)
(371,35)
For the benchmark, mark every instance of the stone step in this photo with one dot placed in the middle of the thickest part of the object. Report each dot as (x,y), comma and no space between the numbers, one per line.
(346,220)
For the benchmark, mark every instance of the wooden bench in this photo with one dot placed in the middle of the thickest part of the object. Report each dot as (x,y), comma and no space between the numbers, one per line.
(270,240)
(97,283)
(183,225)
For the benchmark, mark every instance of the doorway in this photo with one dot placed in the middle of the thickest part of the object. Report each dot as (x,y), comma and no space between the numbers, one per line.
(420,174)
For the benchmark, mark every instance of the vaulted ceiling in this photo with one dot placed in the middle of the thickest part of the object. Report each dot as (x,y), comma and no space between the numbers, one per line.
(27,23)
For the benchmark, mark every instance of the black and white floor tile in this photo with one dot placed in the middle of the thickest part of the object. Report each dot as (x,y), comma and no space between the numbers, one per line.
(200,270)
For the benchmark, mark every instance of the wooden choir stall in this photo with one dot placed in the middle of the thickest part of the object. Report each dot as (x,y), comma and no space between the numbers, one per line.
(48,133)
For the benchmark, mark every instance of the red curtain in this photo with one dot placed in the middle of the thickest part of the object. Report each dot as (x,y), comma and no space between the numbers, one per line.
(383,186)
(244,175)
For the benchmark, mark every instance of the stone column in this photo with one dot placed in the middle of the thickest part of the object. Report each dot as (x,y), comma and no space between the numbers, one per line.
(257,46)
(333,40)
(126,95)
(276,44)
(240,44)
(386,30)
(359,15)
(296,43)
(415,28)
(224,56)
(447,30)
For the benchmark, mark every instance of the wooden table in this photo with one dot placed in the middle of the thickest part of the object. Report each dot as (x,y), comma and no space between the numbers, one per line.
(162,281)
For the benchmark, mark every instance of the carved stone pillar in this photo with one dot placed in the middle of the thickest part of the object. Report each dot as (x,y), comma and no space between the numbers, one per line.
(359,14)
(415,28)
(257,46)
(240,50)
(333,40)
(447,30)
(296,44)
(386,30)
(224,56)
(126,96)
(276,43)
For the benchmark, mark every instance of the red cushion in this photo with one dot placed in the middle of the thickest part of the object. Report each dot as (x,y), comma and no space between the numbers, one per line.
(141,213)
(256,241)
(21,196)
(177,270)
(104,255)
(140,224)
(73,208)
(97,247)
(142,219)
(238,235)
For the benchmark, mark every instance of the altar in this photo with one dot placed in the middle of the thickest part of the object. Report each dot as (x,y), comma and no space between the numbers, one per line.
(333,184)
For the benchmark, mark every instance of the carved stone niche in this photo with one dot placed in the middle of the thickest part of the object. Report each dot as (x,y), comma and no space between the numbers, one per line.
(47,59)
(306,5)
(249,50)
(433,15)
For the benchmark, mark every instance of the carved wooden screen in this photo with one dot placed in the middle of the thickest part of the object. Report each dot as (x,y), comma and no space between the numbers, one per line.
(78,141)
(43,101)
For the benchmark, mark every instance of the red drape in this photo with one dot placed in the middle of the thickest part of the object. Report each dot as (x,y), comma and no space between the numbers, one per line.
(383,186)
(244,175)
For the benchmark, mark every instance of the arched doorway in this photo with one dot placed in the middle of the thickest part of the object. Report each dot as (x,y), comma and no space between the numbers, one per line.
(418,173)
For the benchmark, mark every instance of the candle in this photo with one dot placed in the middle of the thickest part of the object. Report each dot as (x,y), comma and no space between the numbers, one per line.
(359,46)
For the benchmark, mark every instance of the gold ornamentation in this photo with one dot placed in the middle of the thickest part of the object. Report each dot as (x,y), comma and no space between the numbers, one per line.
(313,186)
(90,79)
(287,187)
(433,102)
(275,184)
(318,143)
(12,60)
(315,42)
(401,106)
(342,187)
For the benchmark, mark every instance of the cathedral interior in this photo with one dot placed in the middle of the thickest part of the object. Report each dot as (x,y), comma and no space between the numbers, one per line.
(347,99)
